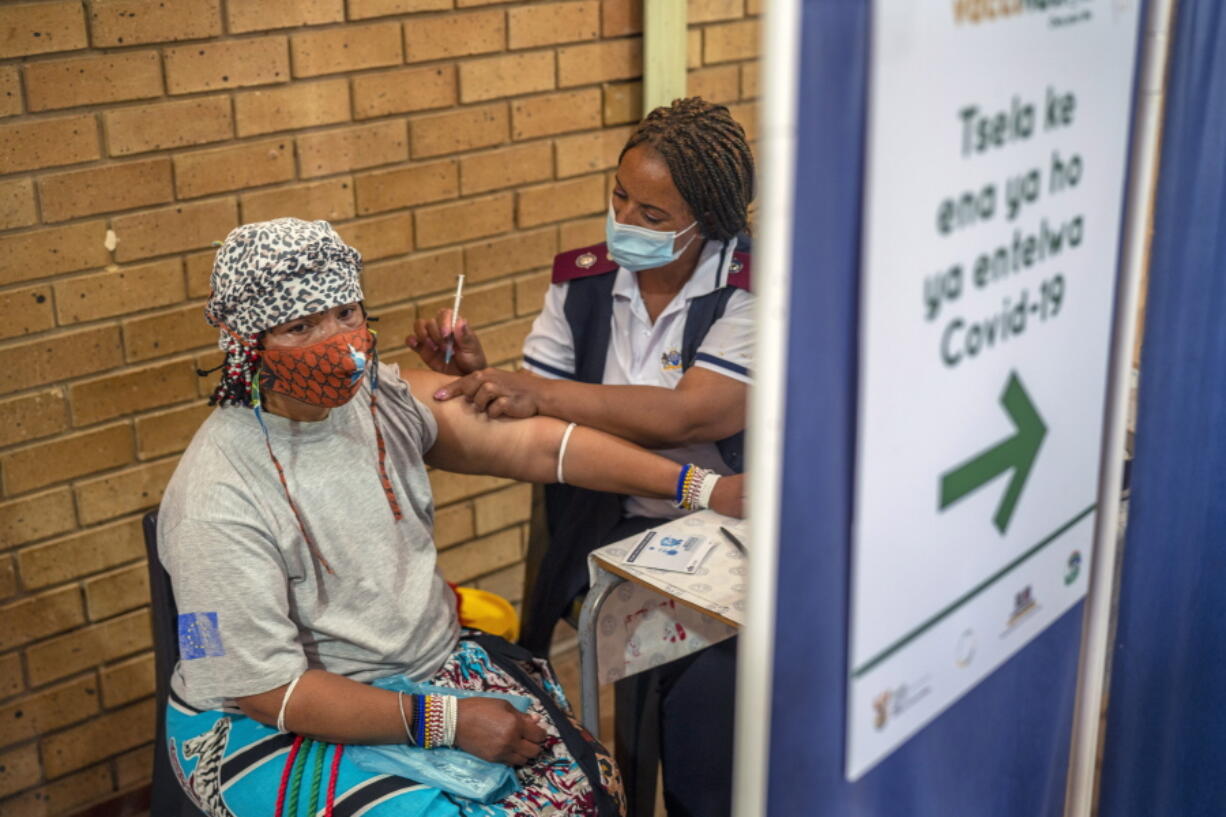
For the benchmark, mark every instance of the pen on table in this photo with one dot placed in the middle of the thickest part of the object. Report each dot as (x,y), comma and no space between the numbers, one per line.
(455,316)
(732,538)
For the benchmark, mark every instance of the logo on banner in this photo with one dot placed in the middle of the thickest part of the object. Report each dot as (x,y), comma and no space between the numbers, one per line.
(1074,567)
(964,653)
(1023,605)
(1060,12)
(892,703)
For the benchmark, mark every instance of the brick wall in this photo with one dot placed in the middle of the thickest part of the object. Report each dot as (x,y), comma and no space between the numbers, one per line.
(440,136)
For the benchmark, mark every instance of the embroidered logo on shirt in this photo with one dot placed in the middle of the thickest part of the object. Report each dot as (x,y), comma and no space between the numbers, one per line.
(199,636)
(671,360)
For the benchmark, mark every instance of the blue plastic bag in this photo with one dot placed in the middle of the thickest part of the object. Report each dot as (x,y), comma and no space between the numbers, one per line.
(452,770)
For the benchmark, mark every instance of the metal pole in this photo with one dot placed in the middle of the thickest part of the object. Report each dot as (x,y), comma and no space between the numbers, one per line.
(664,52)
(1096,627)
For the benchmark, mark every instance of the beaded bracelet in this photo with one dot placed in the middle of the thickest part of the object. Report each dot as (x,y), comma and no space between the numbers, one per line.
(694,487)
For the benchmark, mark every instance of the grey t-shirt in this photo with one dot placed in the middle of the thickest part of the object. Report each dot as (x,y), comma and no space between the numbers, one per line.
(255,609)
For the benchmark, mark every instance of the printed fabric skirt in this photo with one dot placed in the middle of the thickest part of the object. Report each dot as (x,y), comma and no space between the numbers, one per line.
(233,766)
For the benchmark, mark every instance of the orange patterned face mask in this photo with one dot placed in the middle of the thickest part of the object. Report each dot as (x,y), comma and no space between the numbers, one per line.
(327,374)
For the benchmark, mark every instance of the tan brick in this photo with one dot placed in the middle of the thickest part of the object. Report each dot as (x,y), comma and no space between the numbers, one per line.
(620,17)
(208,361)
(331,200)
(746,113)
(135,767)
(10,90)
(32,416)
(403,90)
(708,11)
(93,80)
(730,41)
(515,253)
(226,64)
(348,48)
(88,647)
(412,277)
(582,232)
(58,357)
(693,48)
(122,492)
(465,562)
(115,292)
(506,167)
(250,164)
(363,9)
(132,390)
(36,517)
(555,113)
(100,738)
(509,75)
(133,22)
(533,26)
(199,268)
(465,129)
(40,28)
(42,253)
(482,305)
(753,7)
(530,292)
(261,15)
(600,62)
(464,220)
(589,152)
(11,681)
(105,189)
(720,83)
(507,582)
(623,102)
(377,238)
(174,229)
(17,204)
(48,710)
(167,333)
(560,200)
(66,795)
(336,151)
(65,458)
(301,105)
(25,311)
(117,592)
(80,554)
(168,125)
(8,577)
(449,487)
(19,767)
(454,35)
(749,80)
(393,326)
(453,524)
(38,616)
(503,508)
(128,681)
(48,143)
(169,432)
(505,342)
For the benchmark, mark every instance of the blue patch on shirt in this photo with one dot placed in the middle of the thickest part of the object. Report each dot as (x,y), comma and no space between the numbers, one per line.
(199,636)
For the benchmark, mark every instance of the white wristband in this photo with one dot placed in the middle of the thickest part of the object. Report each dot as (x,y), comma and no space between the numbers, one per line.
(289,690)
(562,451)
(706,489)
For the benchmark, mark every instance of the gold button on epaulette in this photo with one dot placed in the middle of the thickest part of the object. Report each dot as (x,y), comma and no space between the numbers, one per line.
(586,260)
(736,266)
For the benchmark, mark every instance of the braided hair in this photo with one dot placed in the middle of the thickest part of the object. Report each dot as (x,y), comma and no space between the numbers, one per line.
(709,159)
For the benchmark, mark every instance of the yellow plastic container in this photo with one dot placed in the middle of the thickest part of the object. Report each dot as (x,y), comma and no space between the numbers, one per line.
(488,612)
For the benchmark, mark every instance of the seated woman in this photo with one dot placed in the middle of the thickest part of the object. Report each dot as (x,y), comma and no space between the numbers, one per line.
(297,533)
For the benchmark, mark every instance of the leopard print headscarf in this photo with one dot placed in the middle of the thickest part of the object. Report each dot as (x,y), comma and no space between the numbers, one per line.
(268,273)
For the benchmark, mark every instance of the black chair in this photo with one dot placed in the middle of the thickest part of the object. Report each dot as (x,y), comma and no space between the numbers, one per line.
(167,798)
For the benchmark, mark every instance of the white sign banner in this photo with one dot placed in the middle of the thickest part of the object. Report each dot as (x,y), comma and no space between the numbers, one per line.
(998,137)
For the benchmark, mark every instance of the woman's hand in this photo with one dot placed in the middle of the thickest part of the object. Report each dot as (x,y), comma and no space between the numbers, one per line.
(728,497)
(492,729)
(429,340)
(497,393)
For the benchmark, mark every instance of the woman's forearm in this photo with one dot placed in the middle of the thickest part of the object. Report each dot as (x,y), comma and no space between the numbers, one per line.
(331,707)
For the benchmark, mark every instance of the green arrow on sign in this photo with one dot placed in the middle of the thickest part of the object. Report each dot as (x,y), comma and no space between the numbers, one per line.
(1017,452)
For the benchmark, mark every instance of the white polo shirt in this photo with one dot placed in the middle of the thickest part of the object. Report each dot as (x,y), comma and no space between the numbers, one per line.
(644,354)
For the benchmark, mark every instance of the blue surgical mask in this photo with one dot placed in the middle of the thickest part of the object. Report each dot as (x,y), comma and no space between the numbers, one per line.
(638,248)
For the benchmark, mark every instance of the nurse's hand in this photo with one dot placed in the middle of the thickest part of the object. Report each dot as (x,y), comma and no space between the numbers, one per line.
(429,340)
(728,497)
(493,730)
(497,393)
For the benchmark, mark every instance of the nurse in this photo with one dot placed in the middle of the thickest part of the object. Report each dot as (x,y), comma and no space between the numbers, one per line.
(647,336)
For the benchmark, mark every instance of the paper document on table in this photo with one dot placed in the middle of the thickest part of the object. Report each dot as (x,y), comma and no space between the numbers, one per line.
(676,553)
